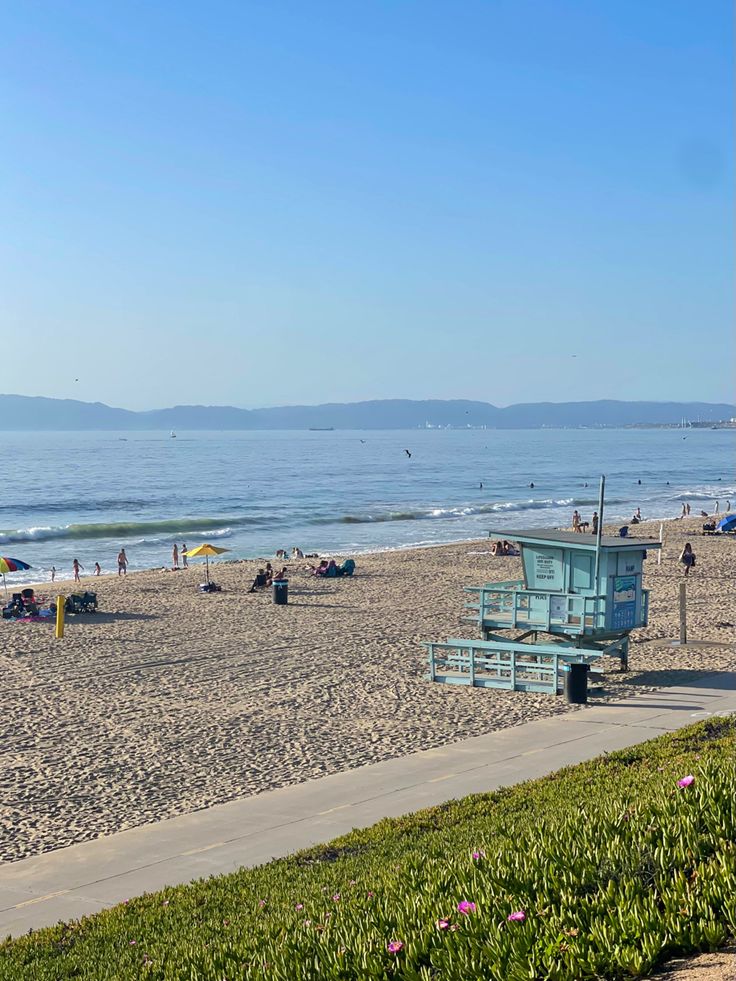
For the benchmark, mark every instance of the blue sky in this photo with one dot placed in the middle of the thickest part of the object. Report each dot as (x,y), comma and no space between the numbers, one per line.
(270,203)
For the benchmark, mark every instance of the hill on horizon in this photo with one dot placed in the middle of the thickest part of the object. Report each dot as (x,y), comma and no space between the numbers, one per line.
(29,413)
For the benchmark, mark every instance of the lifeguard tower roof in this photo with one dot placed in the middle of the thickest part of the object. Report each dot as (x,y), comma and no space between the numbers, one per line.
(537,536)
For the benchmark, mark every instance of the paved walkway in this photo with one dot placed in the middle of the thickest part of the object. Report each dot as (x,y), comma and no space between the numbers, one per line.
(83,878)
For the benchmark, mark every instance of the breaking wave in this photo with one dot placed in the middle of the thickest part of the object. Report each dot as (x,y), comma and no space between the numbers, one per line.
(428,514)
(216,527)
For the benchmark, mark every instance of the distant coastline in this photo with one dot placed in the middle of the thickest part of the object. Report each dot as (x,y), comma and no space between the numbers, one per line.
(36,413)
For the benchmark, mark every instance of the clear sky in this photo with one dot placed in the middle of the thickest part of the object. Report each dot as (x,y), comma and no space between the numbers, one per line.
(283,202)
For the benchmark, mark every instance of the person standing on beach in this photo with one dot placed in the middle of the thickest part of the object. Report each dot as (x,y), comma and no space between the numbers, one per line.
(728,506)
(594,522)
(688,510)
(684,512)
(687,557)
(717,507)
(122,563)
(53,573)
(184,554)
(76,566)
(575,520)
(98,570)
(175,557)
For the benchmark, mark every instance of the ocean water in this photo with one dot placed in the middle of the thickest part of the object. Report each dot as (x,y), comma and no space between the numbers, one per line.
(84,495)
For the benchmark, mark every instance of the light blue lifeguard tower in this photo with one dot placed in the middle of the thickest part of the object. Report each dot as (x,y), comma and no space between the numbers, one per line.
(582,592)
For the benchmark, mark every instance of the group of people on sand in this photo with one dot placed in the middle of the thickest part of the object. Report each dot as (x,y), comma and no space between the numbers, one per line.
(580,526)
(296,553)
(265,577)
(175,553)
(503,548)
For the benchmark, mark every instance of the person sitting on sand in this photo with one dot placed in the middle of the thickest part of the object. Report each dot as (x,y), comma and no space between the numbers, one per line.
(296,553)
(703,514)
(319,570)
(709,526)
(280,553)
(260,581)
(687,557)
(508,548)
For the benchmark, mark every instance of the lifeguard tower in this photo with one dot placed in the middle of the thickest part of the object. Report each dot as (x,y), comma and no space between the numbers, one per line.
(582,592)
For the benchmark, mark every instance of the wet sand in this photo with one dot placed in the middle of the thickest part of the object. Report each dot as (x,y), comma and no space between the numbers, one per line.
(169,700)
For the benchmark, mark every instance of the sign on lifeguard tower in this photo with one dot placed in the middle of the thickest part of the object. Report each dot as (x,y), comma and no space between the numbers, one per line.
(584,592)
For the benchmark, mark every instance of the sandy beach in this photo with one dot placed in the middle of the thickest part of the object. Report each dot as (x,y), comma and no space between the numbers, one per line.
(169,700)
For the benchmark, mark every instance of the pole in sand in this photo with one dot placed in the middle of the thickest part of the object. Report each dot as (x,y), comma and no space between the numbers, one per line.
(60,601)
(683,614)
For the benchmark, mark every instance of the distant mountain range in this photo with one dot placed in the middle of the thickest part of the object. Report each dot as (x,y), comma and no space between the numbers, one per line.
(20,412)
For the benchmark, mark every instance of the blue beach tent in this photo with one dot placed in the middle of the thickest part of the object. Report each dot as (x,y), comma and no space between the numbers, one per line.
(727,524)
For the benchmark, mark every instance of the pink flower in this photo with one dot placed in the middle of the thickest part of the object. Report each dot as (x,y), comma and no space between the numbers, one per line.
(261,903)
(395,946)
(465,907)
(478,855)
(442,923)
(517,917)
(299,906)
(132,943)
(686,781)
(371,895)
(336,897)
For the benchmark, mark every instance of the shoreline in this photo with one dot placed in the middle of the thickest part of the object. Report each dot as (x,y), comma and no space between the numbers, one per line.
(169,700)
(609,528)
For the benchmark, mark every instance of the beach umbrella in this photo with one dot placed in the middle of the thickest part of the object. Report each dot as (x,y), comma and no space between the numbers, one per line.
(206,549)
(11,565)
(728,523)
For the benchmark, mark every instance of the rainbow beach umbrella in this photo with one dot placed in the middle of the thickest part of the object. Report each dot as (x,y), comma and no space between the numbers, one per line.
(11,565)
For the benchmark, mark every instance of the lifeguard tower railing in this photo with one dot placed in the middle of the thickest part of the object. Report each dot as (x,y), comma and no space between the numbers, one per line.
(509,606)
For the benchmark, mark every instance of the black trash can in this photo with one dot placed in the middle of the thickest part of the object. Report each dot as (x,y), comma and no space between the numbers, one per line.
(576,683)
(281,592)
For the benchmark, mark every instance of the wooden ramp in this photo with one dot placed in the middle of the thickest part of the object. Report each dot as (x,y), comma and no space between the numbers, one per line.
(506,664)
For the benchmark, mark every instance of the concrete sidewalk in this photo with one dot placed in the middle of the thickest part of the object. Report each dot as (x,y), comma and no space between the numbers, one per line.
(81,879)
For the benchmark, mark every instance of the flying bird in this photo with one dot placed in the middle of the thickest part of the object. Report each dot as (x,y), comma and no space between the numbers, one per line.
(408,453)
(362,441)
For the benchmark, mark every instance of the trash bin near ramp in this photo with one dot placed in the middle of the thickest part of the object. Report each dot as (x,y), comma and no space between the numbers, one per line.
(281,592)
(576,683)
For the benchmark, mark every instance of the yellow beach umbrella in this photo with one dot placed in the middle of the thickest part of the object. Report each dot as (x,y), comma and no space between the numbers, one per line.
(205,549)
